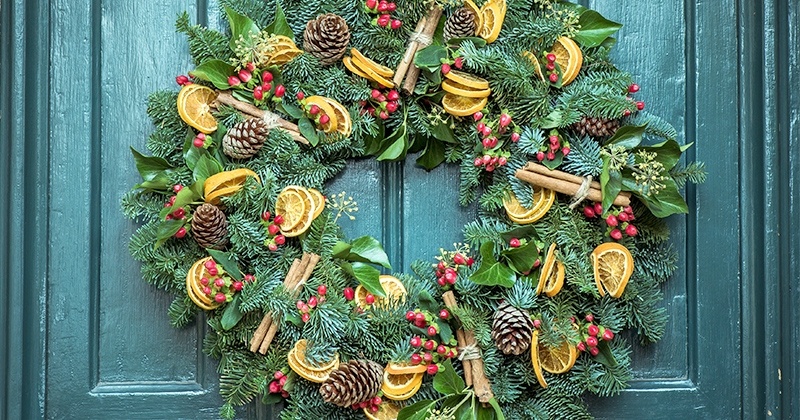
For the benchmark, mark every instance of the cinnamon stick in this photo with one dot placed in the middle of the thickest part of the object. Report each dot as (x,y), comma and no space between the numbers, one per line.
(408,57)
(266,322)
(225,98)
(567,187)
(431,22)
(462,342)
(481,384)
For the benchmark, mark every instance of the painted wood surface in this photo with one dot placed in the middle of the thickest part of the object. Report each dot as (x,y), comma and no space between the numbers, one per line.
(83,337)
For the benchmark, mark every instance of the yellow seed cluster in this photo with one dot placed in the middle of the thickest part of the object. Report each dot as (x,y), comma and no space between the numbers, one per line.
(343,206)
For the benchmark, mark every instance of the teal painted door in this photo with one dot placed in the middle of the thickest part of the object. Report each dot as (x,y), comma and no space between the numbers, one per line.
(84,337)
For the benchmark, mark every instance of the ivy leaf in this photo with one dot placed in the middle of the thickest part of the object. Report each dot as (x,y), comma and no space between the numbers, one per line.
(491,272)
(484,413)
(308,130)
(232,315)
(167,229)
(628,136)
(595,29)
(416,411)
(430,57)
(668,153)
(521,259)
(205,167)
(447,381)
(225,259)
(214,71)
(280,26)
(367,275)
(154,170)
(610,184)
(432,156)
(372,144)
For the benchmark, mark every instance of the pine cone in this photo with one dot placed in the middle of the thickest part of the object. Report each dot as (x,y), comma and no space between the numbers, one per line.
(511,329)
(245,138)
(326,38)
(210,227)
(460,24)
(352,383)
(596,127)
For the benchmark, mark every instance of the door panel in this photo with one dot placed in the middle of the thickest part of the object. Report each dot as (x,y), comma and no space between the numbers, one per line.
(111,350)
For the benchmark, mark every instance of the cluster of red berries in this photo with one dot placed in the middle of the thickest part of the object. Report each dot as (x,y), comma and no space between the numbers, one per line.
(305,308)
(275,238)
(200,140)
(428,351)
(492,132)
(183,80)
(633,88)
(178,214)
(313,111)
(381,104)
(276,386)
(447,271)
(591,334)
(372,404)
(555,144)
(221,286)
(261,84)
(618,221)
(382,8)
(551,68)
(458,62)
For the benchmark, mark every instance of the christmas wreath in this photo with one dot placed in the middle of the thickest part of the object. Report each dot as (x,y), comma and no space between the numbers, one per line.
(572,180)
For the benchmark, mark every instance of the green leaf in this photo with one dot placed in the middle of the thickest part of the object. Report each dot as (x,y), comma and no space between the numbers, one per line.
(605,357)
(397,145)
(416,411)
(225,259)
(668,153)
(610,185)
(525,231)
(280,26)
(667,202)
(445,332)
(595,29)
(372,144)
(290,110)
(447,381)
(367,275)
(521,259)
(341,250)
(432,156)
(154,170)
(308,130)
(455,43)
(214,71)
(167,229)
(491,272)
(484,413)
(241,26)
(497,411)
(183,198)
(205,167)
(232,315)
(190,153)
(368,249)
(628,136)
(426,302)
(555,163)
(443,132)
(430,57)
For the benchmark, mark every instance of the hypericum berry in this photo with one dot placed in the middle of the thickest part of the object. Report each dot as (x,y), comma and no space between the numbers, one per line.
(451,276)
(608,335)
(207,291)
(581,346)
(626,113)
(210,264)
(431,331)
(593,330)
(445,68)
(237,285)
(459,259)
(594,351)
(551,155)
(245,75)
(313,110)
(444,314)
(322,290)
(441,349)
(219,282)
(588,211)
(204,281)
(274,388)
(515,137)
(432,369)
(429,345)
(234,81)
(249,278)
(313,301)
(470,261)
(377,400)
(383,20)
(371,4)
(416,359)
(540,156)
(370,299)
(273,229)
(612,220)
(266,87)
(198,142)
(640,105)
(553,139)
(182,80)
(591,341)
(589,318)
(396,24)
(565,150)
(505,120)
(487,143)
(419,317)
(477,116)
(550,66)
(551,57)
(384,115)
(180,233)
(324,120)
(220,297)
(514,243)
(615,234)
(598,208)
(272,247)
(258,93)
(537,263)
(375,94)
(459,62)
(487,131)
(631,230)
(393,95)
(441,281)
(278,219)
(392,7)
(179,214)
(266,77)
(265,216)
(299,305)
(305,317)
(633,88)
(391,106)
(480,127)
(280,91)
(410,316)
(383,6)
(416,341)
(490,168)
(420,324)
(537,323)
(623,217)
(553,77)
(300,96)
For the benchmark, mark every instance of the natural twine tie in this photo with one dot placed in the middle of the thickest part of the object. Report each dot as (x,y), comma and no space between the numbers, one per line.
(421,38)
(470,352)
(582,192)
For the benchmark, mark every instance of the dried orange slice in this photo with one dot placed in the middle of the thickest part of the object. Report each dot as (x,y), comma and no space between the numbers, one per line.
(555,280)
(461,90)
(569,58)
(345,125)
(365,63)
(300,354)
(319,202)
(543,200)
(283,57)
(559,359)
(613,267)
(386,411)
(536,64)
(194,289)
(326,108)
(394,289)
(306,217)
(476,11)
(194,107)
(461,106)
(375,77)
(537,366)
(548,265)
(400,385)
(468,80)
(297,362)
(352,67)
(404,368)
(226,183)
(291,204)
(494,13)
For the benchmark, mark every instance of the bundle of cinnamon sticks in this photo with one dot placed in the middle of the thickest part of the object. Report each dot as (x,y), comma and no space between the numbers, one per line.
(474,374)
(541,176)
(225,98)
(420,38)
(297,276)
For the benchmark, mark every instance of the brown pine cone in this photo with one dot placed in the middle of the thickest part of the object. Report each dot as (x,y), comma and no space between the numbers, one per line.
(326,38)
(596,127)
(512,329)
(210,227)
(244,139)
(352,383)
(460,24)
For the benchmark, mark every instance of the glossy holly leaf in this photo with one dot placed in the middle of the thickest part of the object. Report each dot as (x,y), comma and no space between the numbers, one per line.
(445,332)
(367,275)
(416,411)
(447,381)
(290,109)
(280,26)
(491,272)
(628,136)
(225,259)
(214,71)
(595,28)
(427,303)
(232,315)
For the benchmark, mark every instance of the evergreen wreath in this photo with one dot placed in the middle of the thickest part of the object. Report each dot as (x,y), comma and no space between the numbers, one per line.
(573,180)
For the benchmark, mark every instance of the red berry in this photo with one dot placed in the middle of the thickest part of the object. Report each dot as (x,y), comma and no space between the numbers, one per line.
(245,76)
(249,278)
(219,282)
(470,261)
(551,156)
(392,106)
(459,259)
(452,276)
(553,77)
(537,323)
(383,20)
(459,62)
(445,68)
(537,263)
(234,81)
(375,94)
(392,7)
(490,168)
(419,317)
(612,220)
(393,95)
(204,281)
(623,217)
(441,281)
(266,77)
(416,341)
(589,212)
(633,88)
(383,6)
(589,318)
(179,214)
(198,143)
(220,297)
(515,137)
(591,341)
(640,105)
(486,159)
(429,345)
(180,233)
(384,115)
(432,369)
(299,305)
(376,400)
(322,290)
(628,209)
(251,66)
(487,131)
(314,110)
(273,229)
(278,219)
(550,66)
(280,91)
(324,120)
(181,80)
(237,285)
(487,144)
(444,314)
(441,349)
(274,388)
(258,93)
(594,351)
(374,409)
(416,359)
(598,208)
(593,330)
(272,247)
(210,264)
(410,316)
(300,96)
(565,151)
(312,301)
(505,120)
(371,4)
(266,87)
(207,291)
(266,216)
(480,127)
(431,331)
(514,243)
(631,230)
(305,317)
(477,116)
(581,346)
(608,335)
(278,374)
(363,404)
(551,57)
(396,24)
(626,113)
(370,299)
(615,234)
(540,156)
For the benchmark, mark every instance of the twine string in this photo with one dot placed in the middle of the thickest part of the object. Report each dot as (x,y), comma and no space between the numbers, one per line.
(582,192)
(470,352)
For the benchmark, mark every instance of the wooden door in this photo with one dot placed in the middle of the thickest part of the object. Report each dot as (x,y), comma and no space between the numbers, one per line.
(84,337)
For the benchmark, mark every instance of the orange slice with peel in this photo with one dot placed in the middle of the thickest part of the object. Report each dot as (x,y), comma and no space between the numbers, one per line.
(613,267)
(226,183)
(300,354)
(348,62)
(291,205)
(547,200)
(400,385)
(386,411)
(284,56)
(569,58)
(548,265)
(395,368)
(537,365)
(194,107)
(461,106)
(301,367)
(377,78)
(494,13)
(392,286)
(556,360)
(461,90)
(476,11)
(193,286)
(326,109)
(468,80)
(555,280)
(405,395)
(319,202)
(345,125)
(365,63)
(306,217)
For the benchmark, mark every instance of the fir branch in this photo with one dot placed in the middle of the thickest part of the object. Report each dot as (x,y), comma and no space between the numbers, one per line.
(584,158)
(181,311)
(694,172)
(204,44)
